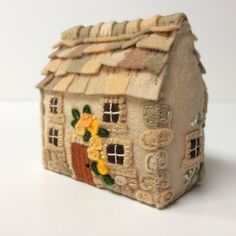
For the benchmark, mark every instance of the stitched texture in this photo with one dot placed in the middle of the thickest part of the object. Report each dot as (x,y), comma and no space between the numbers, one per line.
(145,37)
(142,134)
(86,126)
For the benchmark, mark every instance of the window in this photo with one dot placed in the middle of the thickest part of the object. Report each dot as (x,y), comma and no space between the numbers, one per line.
(111,112)
(114,112)
(53,136)
(115,154)
(54,105)
(194,147)
(118,152)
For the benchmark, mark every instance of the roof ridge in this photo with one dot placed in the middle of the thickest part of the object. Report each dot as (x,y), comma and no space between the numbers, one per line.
(128,28)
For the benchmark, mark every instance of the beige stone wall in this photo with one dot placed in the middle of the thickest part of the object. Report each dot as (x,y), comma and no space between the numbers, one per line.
(184,90)
(54,158)
(135,126)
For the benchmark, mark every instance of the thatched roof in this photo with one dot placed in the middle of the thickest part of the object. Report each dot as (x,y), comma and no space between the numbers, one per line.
(126,58)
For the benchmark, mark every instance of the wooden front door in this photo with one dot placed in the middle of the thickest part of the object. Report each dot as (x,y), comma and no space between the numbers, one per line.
(81,163)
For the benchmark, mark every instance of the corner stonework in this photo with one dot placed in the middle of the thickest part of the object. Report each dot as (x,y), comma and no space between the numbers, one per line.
(157,117)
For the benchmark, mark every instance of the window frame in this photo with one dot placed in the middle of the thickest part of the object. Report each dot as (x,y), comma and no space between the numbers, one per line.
(110,112)
(115,154)
(59,105)
(127,149)
(121,125)
(120,101)
(194,148)
(60,143)
(188,161)
(53,136)
(54,105)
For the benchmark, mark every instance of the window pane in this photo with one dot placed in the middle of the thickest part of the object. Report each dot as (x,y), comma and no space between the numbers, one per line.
(51,132)
(193,143)
(198,151)
(106,106)
(198,141)
(56,141)
(120,160)
(55,132)
(111,159)
(50,140)
(115,118)
(115,107)
(193,154)
(107,117)
(111,149)
(119,149)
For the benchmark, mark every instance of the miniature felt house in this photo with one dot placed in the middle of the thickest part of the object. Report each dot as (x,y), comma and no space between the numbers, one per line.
(123,108)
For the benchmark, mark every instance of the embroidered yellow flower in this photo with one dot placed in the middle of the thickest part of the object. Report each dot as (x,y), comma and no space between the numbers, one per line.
(85,120)
(93,128)
(79,129)
(93,154)
(102,168)
(95,142)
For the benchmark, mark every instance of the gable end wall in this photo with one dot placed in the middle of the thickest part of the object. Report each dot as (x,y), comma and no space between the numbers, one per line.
(184,90)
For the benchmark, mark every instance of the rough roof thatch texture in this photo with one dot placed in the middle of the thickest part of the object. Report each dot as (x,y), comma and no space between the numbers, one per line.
(113,58)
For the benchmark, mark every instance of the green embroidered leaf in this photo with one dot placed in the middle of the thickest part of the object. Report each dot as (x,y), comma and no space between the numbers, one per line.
(107,179)
(103,132)
(75,113)
(73,123)
(86,136)
(94,168)
(86,109)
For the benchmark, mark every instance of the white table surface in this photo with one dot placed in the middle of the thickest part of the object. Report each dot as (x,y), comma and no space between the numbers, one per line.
(36,202)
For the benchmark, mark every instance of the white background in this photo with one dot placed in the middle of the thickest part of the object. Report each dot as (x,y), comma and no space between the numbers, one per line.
(35,202)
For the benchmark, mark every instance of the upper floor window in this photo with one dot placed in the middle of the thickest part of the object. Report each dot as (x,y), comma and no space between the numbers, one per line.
(54,105)
(114,110)
(53,136)
(111,112)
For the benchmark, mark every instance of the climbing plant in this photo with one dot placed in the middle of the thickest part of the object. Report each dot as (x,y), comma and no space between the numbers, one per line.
(88,127)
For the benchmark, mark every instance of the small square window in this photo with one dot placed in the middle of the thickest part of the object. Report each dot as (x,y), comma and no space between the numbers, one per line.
(54,105)
(193,154)
(194,147)
(53,136)
(111,112)
(115,154)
